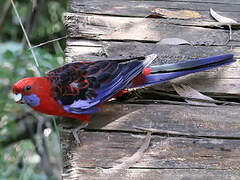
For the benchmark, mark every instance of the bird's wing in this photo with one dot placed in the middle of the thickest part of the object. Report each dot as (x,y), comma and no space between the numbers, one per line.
(81,86)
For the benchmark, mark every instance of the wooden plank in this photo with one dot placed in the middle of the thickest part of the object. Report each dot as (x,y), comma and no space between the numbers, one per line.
(164,152)
(221,121)
(80,49)
(143,8)
(140,29)
(188,137)
(152,174)
(128,6)
(221,80)
(209,1)
(105,150)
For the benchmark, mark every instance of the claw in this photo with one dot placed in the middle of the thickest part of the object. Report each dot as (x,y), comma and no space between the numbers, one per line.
(74,131)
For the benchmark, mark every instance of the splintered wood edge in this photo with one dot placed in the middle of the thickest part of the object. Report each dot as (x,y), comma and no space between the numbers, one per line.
(140,29)
(133,9)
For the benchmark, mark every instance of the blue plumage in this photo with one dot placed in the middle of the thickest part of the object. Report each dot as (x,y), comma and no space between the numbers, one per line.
(166,72)
(81,86)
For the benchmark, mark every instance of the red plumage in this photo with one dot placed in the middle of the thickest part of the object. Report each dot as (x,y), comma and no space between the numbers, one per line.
(59,92)
(78,89)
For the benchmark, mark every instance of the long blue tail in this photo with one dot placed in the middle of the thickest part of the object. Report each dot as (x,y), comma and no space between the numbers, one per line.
(162,73)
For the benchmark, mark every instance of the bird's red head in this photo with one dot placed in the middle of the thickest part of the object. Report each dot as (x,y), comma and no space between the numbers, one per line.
(25,86)
(29,90)
(38,93)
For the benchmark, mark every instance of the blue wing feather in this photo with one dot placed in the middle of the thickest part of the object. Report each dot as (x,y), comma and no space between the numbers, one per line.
(81,87)
(90,83)
(166,72)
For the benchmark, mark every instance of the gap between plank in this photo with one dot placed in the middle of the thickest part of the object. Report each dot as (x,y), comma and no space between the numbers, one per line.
(162,133)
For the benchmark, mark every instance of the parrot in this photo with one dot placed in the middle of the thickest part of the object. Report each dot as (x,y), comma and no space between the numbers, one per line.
(78,89)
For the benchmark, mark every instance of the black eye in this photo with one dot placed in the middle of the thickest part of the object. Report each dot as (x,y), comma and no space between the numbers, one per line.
(28,88)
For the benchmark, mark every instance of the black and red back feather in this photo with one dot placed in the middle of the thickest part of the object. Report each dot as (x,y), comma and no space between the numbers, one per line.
(82,85)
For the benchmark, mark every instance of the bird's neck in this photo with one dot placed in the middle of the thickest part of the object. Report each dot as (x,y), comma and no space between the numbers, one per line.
(48,104)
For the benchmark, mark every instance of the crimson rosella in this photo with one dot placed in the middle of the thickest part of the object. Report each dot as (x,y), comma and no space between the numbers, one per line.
(77,89)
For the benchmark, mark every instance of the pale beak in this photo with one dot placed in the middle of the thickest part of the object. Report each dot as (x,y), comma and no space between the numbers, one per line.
(18,98)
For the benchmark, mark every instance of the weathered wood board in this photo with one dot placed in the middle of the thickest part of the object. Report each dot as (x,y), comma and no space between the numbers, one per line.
(142,8)
(142,29)
(169,174)
(95,33)
(187,139)
(188,142)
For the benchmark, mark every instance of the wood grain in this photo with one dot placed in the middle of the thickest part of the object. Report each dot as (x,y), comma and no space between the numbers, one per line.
(169,174)
(140,29)
(164,152)
(143,8)
(207,138)
(188,142)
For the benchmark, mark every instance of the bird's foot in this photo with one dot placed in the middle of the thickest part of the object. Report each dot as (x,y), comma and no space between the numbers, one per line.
(74,131)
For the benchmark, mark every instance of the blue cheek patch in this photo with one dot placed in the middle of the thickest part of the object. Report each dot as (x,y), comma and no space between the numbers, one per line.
(32,100)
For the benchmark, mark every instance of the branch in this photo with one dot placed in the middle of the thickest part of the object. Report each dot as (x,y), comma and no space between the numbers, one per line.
(32,20)
(50,41)
(26,36)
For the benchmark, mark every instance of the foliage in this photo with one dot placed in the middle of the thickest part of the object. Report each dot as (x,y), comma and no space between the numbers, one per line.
(14,66)
(47,25)
(20,161)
